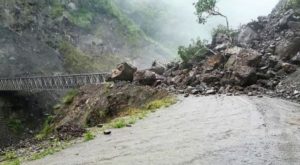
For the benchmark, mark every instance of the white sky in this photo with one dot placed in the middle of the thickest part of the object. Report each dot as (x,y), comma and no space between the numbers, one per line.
(238,11)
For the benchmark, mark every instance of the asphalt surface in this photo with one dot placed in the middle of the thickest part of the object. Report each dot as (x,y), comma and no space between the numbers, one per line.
(212,130)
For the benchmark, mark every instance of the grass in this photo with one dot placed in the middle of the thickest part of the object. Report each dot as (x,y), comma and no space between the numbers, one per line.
(75,61)
(81,17)
(11,162)
(10,155)
(133,114)
(119,123)
(88,136)
(156,104)
(46,130)
(10,158)
(69,97)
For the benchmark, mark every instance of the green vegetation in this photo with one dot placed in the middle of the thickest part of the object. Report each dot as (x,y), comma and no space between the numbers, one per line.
(206,9)
(10,155)
(223,30)
(156,104)
(10,158)
(127,29)
(88,136)
(15,125)
(196,50)
(11,162)
(119,123)
(46,152)
(69,97)
(75,61)
(293,4)
(81,17)
(57,10)
(46,129)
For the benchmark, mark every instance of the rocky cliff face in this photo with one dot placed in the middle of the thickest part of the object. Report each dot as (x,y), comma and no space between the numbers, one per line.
(49,37)
(77,36)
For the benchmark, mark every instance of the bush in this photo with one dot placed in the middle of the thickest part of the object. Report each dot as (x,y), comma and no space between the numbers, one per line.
(293,4)
(223,30)
(195,50)
(119,123)
(88,136)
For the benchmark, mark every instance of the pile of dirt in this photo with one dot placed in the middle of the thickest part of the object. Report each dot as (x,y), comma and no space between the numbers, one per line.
(97,104)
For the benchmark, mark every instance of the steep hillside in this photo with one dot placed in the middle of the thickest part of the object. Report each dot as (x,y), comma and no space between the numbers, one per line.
(87,36)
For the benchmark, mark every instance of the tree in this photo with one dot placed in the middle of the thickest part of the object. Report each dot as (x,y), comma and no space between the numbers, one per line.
(206,9)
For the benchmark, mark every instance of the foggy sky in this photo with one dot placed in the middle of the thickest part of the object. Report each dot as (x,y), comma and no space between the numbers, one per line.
(238,12)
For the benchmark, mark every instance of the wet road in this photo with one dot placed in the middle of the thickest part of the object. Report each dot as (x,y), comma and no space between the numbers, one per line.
(199,130)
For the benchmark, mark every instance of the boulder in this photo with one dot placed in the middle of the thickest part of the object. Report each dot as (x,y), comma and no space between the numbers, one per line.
(286,49)
(296,59)
(209,78)
(288,68)
(243,57)
(123,72)
(213,62)
(147,77)
(247,36)
(157,68)
(220,38)
(241,67)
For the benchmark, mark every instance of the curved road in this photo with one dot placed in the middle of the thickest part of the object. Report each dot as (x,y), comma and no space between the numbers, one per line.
(209,130)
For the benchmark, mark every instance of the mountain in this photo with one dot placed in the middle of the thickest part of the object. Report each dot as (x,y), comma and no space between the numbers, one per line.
(76,36)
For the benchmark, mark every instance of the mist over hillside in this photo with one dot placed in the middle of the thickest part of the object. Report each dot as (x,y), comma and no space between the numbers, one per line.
(175,23)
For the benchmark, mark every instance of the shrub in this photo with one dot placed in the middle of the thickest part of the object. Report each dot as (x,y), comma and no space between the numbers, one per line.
(293,4)
(88,136)
(119,123)
(224,30)
(195,50)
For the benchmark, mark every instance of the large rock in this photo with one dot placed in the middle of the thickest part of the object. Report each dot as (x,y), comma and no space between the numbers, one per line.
(157,68)
(242,57)
(241,67)
(147,77)
(247,36)
(123,72)
(213,62)
(286,49)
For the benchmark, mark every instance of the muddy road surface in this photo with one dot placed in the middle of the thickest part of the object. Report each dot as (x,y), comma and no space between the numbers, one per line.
(213,130)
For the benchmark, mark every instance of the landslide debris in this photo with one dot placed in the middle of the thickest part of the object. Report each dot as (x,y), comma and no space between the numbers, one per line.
(98,104)
(262,57)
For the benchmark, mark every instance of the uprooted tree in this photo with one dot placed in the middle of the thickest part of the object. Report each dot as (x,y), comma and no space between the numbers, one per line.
(206,9)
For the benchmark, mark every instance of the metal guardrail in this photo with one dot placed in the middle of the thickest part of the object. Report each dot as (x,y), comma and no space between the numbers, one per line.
(51,82)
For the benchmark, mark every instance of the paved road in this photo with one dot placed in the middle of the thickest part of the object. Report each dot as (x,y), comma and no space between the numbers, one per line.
(209,130)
